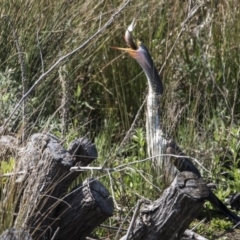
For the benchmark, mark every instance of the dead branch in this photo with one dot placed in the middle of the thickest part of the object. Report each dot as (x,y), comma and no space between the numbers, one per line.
(170,215)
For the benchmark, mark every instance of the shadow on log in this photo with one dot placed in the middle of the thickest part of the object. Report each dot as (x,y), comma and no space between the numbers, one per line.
(41,191)
(170,215)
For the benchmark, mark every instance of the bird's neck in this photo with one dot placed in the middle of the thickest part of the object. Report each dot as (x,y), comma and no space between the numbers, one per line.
(153,123)
(153,107)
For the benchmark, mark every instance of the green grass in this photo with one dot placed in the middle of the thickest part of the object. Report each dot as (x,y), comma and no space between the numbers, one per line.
(200,106)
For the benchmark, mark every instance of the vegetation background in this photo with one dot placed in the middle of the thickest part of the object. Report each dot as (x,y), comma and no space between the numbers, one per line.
(98,92)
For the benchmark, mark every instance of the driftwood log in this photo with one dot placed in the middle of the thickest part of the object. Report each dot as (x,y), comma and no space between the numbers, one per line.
(42,199)
(170,215)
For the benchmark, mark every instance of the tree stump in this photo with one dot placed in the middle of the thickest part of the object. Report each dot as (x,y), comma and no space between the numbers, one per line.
(88,205)
(170,215)
(42,190)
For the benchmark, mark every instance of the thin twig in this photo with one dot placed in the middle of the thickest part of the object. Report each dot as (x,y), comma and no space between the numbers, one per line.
(122,223)
(79,168)
(139,203)
(192,235)
(202,221)
(111,186)
(55,233)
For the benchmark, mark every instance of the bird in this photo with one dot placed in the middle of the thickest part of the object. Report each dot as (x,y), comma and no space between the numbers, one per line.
(157,144)
(155,139)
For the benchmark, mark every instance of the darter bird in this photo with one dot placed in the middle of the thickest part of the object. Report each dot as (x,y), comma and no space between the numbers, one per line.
(157,144)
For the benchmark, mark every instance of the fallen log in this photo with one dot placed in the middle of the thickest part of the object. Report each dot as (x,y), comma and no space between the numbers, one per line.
(170,215)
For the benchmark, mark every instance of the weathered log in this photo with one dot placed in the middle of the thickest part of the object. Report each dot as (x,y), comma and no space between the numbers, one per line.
(183,163)
(88,205)
(170,215)
(43,187)
(15,234)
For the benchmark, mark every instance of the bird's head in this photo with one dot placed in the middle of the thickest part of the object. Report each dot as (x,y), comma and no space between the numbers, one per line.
(138,51)
(135,49)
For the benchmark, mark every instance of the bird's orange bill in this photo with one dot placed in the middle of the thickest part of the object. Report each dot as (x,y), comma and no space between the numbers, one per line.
(130,51)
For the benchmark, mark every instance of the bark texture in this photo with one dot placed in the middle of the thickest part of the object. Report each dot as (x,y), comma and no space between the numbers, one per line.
(183,163)
(170,215)
(88,206)
(42,200)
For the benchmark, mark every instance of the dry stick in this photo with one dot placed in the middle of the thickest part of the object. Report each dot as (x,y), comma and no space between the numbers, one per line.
(54,235)
(21,58)
(120,167)
(111,186)
(139,203)
(192,234)
(24,97)
(121,225)
(202,221)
